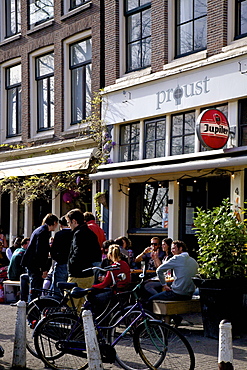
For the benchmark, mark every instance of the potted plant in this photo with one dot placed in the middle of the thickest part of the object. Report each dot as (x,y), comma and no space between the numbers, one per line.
(222,258)
(100,198)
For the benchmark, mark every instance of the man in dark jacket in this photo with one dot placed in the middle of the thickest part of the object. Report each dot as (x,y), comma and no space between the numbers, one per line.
(60,253)
(85,250)
(36,255)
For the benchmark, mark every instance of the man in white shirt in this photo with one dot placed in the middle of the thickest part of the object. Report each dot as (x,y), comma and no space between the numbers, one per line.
(184,268)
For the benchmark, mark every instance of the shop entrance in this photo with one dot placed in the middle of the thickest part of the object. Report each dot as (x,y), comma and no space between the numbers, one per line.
(202,192)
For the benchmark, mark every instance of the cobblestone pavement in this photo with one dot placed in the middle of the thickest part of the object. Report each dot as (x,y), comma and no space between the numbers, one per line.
(205,349)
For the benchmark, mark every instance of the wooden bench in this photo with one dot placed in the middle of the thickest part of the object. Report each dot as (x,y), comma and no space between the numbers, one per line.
(168,308)
(9,291)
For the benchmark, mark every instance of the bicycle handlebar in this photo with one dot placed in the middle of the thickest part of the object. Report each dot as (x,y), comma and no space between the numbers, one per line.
(116,266)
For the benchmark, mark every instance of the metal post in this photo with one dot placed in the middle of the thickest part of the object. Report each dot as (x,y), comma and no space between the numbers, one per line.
(93,352)
(19,353)
(225,357)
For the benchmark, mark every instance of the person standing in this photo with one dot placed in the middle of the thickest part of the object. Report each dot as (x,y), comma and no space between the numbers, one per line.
(15,269)
(84,252)
(91,223)
(35,259)
(60,253)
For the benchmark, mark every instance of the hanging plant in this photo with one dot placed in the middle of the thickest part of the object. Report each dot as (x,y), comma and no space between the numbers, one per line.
(100,198)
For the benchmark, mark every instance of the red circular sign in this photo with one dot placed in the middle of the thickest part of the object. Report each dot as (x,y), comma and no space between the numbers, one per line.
(212,128)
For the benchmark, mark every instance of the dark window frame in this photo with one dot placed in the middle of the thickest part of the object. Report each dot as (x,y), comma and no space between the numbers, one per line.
(127,14)
(177,25)
(17,88)
(155,140)
(39,81)
(183,135)
(83,66)
(128,145)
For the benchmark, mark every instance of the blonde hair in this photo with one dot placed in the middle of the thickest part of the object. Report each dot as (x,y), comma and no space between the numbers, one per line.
(114,253)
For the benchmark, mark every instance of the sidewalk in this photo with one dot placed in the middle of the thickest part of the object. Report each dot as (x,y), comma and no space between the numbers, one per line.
(205,349)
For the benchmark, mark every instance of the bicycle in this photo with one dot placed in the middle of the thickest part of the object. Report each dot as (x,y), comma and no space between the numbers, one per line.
(46,303)
(60,344)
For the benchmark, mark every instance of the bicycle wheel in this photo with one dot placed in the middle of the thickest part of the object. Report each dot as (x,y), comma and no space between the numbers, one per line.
(126,355)
(59,342)
(34,314)
(160,345)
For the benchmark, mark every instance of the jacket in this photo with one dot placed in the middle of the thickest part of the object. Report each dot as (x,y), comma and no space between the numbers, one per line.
(84,251)
(36,256)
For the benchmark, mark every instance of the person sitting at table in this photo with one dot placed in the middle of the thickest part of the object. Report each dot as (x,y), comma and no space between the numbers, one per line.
(150,254)
(153,285)
(101,293)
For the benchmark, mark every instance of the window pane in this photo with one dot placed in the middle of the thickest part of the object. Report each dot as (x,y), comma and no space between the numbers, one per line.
(243,17)
(81,52)
(132,4)
(185,40)
(160,148)
(150,149)
(40,11)
(200,38)
(150,131)
(146,23)
(135,133)
(12,109)
(75,3)
(13,17)
(189,142)
(125,134)
(177,147)
(51,103)
(134,152)
(134,27)
(185,10)
(244,135)
(177,125)
(77,94)
(88,89)
(161,129)
(14,75)
(124,154)
(45,65)
(200,8)
(134,53)
(146,52)
(189,126)
(43,103)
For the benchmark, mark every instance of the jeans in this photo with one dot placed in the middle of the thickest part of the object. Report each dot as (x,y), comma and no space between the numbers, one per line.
(36,282)
(60,273)
(152,287)
(170,296)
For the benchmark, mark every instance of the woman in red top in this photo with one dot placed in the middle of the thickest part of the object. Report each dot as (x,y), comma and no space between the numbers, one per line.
(99,297)
(114,256)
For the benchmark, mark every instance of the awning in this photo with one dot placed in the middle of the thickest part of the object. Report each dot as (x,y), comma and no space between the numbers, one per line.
(68,161)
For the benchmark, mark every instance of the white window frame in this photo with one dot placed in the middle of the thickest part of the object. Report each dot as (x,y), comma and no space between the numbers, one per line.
(33,96)
(67,79)
(3,102)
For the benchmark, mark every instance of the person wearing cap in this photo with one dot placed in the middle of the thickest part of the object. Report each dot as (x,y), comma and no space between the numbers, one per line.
(59,251)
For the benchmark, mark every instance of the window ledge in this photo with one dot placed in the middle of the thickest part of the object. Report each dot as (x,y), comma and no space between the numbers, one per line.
(49,134)
(70,13)
(236,44)
(135,74)
(10,39)
(194,57)
(40,26)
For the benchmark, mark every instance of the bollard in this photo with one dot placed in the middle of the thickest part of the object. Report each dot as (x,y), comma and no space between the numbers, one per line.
(19,353)
(225,357)
(93,352)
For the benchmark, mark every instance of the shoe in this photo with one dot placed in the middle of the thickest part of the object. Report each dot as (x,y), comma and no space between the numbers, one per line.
(177,319)
(13,304)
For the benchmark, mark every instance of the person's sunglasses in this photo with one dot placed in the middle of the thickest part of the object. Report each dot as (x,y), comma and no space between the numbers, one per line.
(154,243)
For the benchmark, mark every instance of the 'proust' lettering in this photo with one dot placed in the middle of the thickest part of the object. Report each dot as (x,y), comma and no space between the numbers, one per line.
(186,91)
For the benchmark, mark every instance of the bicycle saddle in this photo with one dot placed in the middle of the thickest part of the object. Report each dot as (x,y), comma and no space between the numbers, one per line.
(62,285)
(79,292)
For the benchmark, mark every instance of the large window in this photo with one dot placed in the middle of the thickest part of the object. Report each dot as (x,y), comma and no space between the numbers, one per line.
(191,26)
(81,69)
(13,87)
(155,138)
(241,18)
(138,27)
(12,17)
(129,142)
(40,11)
(183,133)
(45,91)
